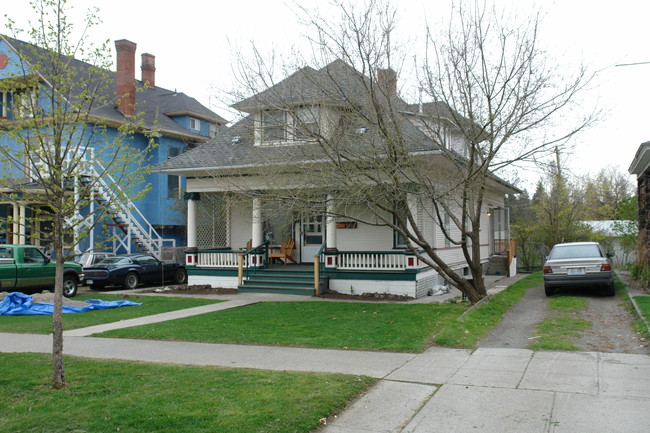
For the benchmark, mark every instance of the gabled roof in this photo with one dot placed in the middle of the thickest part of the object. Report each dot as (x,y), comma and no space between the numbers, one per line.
(155,105)
(335,85)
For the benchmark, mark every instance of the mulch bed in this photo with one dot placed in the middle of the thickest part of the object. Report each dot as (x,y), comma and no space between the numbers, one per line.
(209,290)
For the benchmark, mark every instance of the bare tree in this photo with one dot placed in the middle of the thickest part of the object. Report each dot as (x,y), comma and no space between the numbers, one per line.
(54,129)
(495,96)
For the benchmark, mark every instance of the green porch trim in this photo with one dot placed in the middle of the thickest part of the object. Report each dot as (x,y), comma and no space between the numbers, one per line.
(212,272)
(406,275)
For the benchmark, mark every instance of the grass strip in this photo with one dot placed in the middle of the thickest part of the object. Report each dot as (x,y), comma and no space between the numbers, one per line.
(563,326)
(104,396)
(339,325)
(150,305)
(640,325)
(467,331)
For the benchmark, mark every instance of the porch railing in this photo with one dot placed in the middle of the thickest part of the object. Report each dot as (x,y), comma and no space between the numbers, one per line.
(346,260)
(378,260)
(217,258)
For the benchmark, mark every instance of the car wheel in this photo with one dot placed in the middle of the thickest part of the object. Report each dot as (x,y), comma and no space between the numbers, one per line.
(180,276)
(609,290)
(549,290)
(130,281)
(96,287)
(69,286)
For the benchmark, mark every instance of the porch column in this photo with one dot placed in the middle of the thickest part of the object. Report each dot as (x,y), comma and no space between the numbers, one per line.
(15,226)
(22,223)
(191,223)
(330,242)
(191,253)
(257,235)
(331,224)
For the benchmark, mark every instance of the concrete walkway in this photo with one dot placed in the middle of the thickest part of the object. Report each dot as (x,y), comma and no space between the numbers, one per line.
(440,390)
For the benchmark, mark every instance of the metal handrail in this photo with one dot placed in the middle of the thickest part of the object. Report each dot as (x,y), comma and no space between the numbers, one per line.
(265,246)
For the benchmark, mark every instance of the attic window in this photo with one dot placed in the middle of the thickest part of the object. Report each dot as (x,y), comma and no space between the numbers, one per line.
(195,124)
(274,124)
(306,122)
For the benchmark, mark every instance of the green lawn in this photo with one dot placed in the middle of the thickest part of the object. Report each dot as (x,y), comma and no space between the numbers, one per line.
(341,325)
(114,396)
(150,305)
(364,326)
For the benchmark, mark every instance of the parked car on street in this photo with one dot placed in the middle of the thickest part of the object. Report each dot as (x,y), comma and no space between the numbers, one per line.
(90,258)
(24,268)
(578,264)
(130,270)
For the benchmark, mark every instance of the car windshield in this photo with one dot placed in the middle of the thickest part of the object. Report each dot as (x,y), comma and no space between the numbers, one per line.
(115,260)
(574,252)
(81,258)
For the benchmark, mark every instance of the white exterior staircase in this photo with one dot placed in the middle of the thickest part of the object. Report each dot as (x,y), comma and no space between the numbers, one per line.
(130,228)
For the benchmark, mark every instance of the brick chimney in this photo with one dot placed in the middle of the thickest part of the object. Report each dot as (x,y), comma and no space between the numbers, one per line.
(387,80)
(125,76)
(148,68)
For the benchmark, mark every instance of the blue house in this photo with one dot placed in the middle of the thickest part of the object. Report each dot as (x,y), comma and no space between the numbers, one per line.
(176,122)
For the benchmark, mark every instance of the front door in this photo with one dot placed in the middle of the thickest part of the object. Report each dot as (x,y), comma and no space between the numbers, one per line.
(312,238)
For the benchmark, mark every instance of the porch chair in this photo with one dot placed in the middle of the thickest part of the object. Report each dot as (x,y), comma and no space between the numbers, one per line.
(284,254)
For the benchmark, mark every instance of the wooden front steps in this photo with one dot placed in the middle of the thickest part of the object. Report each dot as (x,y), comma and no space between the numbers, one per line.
(289,280)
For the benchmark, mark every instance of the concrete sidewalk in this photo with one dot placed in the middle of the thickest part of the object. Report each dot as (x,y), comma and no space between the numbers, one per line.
(440,390)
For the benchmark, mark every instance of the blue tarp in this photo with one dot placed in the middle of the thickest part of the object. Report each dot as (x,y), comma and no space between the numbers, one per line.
(20,304)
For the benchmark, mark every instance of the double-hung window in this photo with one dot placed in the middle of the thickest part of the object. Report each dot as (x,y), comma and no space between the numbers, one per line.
(173,182)
(306,122)
(274,126)
(24,103)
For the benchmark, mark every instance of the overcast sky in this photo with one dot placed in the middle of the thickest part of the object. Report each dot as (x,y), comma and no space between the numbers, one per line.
(195,42)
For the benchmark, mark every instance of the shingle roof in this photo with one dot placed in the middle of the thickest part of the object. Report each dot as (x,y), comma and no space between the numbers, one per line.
(334,84)
(153,104)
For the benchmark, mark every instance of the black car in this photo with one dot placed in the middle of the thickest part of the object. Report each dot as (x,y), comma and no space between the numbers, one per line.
(132,269)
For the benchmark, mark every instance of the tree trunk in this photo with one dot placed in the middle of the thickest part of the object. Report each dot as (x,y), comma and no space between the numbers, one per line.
(58,370)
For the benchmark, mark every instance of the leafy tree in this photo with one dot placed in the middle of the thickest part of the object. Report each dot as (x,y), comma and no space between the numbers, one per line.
(495,97)
(559,209)
(56,127)
(605,193)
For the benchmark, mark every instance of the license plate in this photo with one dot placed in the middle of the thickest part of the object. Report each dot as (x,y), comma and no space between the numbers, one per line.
(576,271)
(89,281)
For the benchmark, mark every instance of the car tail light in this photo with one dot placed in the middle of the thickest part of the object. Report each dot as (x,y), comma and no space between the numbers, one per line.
(605,267)
(548,270)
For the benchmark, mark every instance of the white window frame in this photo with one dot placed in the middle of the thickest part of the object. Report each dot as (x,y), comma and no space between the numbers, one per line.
(25,102)
(4,100)
(213,129)
(276,121)
(175,192)
(306,122)
(195,124)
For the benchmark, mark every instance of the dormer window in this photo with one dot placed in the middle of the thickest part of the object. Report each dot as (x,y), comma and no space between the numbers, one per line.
(274,126)
(306,123)
(195,124)
(213,130)
(280,126)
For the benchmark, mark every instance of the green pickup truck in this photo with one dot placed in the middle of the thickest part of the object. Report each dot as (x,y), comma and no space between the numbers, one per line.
(24,268)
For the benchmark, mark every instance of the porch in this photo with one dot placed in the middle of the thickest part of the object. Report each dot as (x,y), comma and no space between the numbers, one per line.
(332,252)
(351,272)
